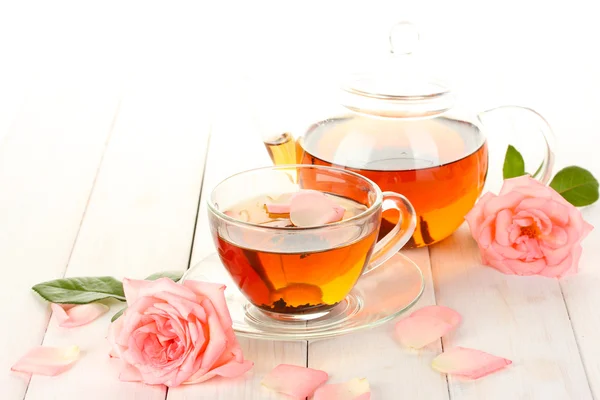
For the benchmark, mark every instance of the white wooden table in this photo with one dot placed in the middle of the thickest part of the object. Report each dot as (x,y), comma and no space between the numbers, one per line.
(116,184)
(101,177)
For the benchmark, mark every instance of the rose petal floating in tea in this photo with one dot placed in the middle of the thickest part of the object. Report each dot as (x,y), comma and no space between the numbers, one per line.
(274,208)
(69,316)
(313,208)
(281,205)
(48,361)
(468,363)
(294,381)
(355,389)
(242,215)
(426,325)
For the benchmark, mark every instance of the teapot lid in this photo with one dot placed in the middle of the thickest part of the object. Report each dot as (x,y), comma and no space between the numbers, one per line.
(401,86)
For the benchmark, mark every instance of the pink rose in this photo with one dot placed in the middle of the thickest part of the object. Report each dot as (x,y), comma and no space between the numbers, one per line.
(528,229)
(174,334)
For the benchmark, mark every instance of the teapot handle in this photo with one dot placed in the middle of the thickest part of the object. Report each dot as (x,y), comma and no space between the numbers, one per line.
(544,172)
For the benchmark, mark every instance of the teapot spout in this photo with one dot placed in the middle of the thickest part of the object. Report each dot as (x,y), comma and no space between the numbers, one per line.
(281,148)
(537,124)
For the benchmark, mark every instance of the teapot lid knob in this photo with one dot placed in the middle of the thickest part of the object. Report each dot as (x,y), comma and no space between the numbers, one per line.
(404,38)
(400,87)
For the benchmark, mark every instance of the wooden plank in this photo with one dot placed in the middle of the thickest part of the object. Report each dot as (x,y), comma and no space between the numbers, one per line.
(377,356)
(521,318)
(140,220)
(582,299)
(234,148)
(49,158)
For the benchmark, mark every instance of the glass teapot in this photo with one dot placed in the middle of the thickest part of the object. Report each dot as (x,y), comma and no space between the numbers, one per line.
(400,128)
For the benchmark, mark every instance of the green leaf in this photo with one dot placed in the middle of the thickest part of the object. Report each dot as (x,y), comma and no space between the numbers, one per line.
(514,165)
(118,314)
(577,185)
(173,275)
(80,290)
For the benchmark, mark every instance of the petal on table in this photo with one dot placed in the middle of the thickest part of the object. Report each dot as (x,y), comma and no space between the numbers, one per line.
(469,363)
(48,361)
(419,331)
(292,380)
(355,389)
(444,313)
(60,313)
(78,315)
(313,208)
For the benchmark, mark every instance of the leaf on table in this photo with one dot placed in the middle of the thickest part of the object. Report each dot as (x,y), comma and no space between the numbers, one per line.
(294,381)
(514,165)
(469,363)
(175,276)
(80,290)
(48,361)
(577,185)
(81,314)
(118,314)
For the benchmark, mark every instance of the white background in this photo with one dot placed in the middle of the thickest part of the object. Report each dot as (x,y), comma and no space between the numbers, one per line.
(540,54)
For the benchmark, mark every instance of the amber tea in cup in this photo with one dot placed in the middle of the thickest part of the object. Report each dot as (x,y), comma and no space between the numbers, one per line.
(293,272)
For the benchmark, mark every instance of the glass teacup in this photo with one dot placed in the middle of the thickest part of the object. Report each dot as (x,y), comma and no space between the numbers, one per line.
(301,272)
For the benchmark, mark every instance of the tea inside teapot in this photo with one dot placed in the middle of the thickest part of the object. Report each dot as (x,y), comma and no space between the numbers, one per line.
(439,164)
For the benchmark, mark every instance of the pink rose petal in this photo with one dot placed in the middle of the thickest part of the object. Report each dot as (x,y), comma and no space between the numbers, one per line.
(339,212)
(113,354)
(282,204)
(469,363)
(510,184)
(446,314)
(419,331)
(503,223)
(274,208)
(312,208)
(48,361)
(69,316)
(292,380)
(356,389)
(60,312)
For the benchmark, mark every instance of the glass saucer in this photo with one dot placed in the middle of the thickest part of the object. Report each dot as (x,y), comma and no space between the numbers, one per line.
(379,296)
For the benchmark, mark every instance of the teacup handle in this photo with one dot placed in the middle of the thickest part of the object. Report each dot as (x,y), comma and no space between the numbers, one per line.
(397,237)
